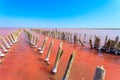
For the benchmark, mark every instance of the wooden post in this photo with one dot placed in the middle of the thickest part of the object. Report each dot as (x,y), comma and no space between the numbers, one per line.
(58,57)
(70,37)
(1,54)
(16,36)
(81,42)
(108,46)
(97,42)
(33,40)
(63,35)
(116,41)
(9,36)
(30,37)
(36,41)
(84,37)
(90,41)
(7,45)
(68,68)
(106,39)
(99,73)
(49,51)
(13,38)
(9,40)
(4,49)
(43,45)
(75,38)
(117,48)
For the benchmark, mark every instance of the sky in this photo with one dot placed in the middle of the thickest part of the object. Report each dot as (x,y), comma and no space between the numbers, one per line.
(60,13)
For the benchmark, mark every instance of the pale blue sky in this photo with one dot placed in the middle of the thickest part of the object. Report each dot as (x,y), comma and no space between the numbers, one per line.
(60,13)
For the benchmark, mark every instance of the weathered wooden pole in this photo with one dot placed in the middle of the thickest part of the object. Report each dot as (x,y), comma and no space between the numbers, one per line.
(43,45)
(81,42)
(9,40)
(106,39)
(36,41)
(84,37)
(13,38)
(1,54)
(75,38)
(107,47)
(49,51)
(29,36)
(63,36)
(116,41)
(9,36)
(70,37)
(68,68)
(4,49)
(117,48)
(7,45)
(58,57)
(33,40)
(90,42)
(99,73)
(97,42)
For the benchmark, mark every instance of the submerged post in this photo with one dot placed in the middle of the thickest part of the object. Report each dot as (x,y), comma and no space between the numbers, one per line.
(84,37)
(75,38)
(90,41)
(58,57)
(43,45)
(4,49)
(49,51)
(9,40)
(1,54)
(7,45)
(99,73)
(69,65)
(97,42)
(36,41)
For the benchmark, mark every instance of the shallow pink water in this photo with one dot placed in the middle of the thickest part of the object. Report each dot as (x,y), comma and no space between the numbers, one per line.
(24,63)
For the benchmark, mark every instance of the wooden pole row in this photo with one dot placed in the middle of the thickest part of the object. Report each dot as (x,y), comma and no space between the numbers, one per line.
(4,41)
(8,41)
(112,46)
(99,72)
(32,38)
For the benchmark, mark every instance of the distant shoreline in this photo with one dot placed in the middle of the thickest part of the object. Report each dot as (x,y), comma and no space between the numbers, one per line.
(84,28)
(68,28)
